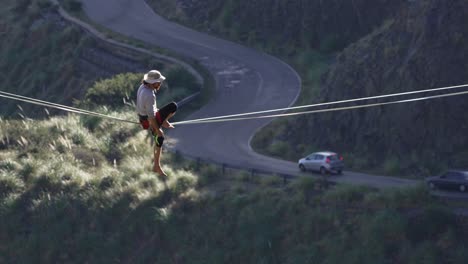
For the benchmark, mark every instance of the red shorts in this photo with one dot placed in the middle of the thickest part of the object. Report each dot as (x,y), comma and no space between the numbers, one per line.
(144,122)
(160,116)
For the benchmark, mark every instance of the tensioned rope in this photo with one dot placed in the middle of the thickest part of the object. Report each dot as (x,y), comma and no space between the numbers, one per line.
(329,109)
(322,104)
(236,117)
(59,106)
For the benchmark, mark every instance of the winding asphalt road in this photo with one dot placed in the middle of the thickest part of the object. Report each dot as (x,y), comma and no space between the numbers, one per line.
(246,80)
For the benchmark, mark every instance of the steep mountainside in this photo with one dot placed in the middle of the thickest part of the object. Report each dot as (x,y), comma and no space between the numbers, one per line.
(45,57)
(395,46)
(425,46)
(275,24)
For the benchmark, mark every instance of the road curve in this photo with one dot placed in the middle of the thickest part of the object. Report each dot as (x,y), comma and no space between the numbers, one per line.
(246,80)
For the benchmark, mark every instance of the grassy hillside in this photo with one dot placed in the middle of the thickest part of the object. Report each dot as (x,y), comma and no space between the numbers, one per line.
(47,58)
(74,193)
(76,189)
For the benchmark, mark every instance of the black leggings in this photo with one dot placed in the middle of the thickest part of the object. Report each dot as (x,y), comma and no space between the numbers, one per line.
(164,112)
(160,116)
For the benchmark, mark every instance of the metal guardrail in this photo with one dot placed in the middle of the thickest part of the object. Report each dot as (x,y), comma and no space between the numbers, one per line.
(225,167)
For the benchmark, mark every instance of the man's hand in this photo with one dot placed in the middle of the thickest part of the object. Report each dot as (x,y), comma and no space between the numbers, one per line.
(166,124)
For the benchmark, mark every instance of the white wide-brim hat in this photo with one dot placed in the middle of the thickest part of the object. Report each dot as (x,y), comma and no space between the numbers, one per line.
(153,76)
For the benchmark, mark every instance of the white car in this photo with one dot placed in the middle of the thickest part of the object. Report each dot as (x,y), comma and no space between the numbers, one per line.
(324,162)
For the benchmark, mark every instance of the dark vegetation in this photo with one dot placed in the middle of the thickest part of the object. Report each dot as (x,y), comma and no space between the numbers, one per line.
(40,54)
(424,47)
(71,192)
(379,47)
(281,26)
(74,195)
(75,191)
(47,58)
(79,190)
(72,6)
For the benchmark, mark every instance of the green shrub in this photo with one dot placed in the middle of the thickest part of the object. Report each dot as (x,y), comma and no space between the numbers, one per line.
(382,236)
(427,253)
(21,5)
(305,187)
(112,92)
(271,181)
(331,43)
(47,184)
(433,221)
(148,184)
(405,198)
(44,4)
(113,152)
(460,255)
(243,176)
(10,184)
(239,188)
(78,139)
(391,166)
(209,174)
(107,182)
(72,5)
(346,195)
(304,184)
(90,122)
(263,139)
(310,58)
(279,148)
(27,170)
(179,77)
(89,157)
(8,165)
(183,184)
(357,161)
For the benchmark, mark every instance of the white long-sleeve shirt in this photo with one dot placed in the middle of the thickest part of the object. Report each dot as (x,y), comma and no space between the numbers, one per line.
(146,101)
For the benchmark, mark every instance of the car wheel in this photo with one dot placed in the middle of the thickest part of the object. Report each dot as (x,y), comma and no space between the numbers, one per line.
(462,188)
(323,171)
(432,186)
(302,168)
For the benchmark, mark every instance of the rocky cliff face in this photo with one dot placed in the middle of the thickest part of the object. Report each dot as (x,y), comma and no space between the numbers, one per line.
(425,46)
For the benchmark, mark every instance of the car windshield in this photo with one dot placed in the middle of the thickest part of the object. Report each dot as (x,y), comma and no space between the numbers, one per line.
(333,157)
